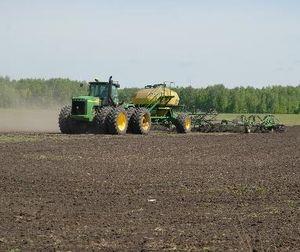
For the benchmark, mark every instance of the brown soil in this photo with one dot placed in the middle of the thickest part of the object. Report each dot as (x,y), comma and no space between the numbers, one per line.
(209,192)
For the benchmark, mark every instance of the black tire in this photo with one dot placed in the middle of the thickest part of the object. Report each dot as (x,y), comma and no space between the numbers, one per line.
(65,122)
(67,125)
(130,113)
(141,121)
(117,121)
(247,129)
(183,123)
(81,127)
(280,128)
(264,129)
(100,120)
(257,129)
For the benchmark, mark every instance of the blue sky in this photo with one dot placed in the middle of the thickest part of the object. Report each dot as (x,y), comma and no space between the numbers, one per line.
(235,42)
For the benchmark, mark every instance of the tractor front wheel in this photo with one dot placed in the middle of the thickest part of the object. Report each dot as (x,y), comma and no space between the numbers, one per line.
(67,125)
(65,122)
(183,123)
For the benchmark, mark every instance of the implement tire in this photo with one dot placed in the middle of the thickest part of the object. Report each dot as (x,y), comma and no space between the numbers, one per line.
(247,129)
(117,121)
(141,121)
(280,128)
(183,123)
(100,120)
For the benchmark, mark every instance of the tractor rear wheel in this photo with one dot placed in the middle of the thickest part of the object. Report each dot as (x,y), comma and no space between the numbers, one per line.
(100,120)
(65,122)
(183,123)
(117,121)
(141,121)
(130,113)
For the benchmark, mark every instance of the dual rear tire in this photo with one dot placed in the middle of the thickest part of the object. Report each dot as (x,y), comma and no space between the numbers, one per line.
(111,120)
(118,121)
(140,121)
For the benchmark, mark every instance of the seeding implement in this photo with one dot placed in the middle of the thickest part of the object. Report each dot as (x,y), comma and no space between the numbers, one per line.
(206,122)
(101,111)
(267,123)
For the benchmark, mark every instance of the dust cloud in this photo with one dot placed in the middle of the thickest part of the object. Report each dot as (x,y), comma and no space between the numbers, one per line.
(29,120)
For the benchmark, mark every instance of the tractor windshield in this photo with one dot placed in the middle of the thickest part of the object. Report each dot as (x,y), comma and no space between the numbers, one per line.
(99,90)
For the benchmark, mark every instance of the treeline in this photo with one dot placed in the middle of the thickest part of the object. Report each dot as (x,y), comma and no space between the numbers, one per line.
(37,92)
(275,99)
(56,92)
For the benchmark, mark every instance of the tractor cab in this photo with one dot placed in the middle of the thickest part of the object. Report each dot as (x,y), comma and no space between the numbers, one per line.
(107,92)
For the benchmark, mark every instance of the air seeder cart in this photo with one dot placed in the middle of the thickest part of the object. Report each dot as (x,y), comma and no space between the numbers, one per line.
(101,112)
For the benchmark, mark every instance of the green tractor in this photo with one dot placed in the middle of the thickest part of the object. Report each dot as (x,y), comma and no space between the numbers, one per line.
(101,112)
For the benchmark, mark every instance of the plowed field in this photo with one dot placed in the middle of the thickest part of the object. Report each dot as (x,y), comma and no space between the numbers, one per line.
(210,192)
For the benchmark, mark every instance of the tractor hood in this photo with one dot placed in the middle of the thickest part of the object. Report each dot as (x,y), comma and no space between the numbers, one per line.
(87,98)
